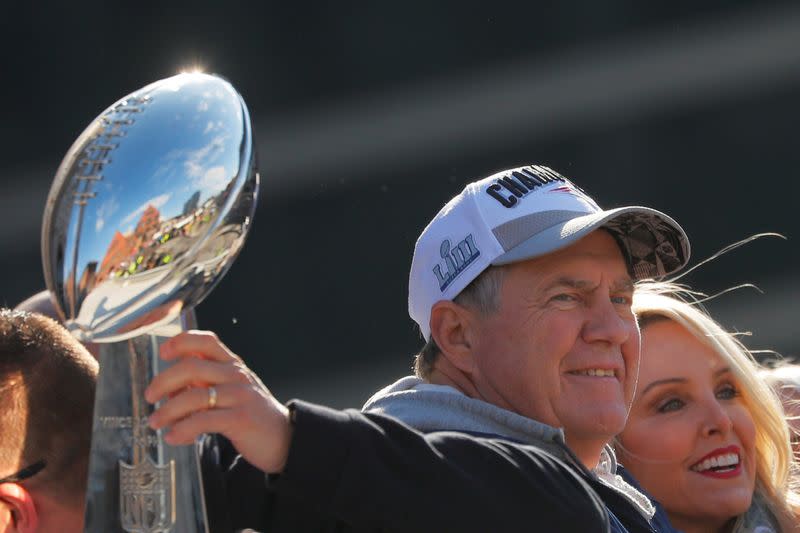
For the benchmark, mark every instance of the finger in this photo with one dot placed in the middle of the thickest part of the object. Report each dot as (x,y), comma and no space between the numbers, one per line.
(196,343)
(193,372)
(188,402)
(186,430)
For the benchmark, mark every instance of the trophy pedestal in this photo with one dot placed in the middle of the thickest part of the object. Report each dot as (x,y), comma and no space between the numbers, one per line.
(137,482)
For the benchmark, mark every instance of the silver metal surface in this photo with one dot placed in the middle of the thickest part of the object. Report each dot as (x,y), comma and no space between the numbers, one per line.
(146,213)
(149,207)
(137,483)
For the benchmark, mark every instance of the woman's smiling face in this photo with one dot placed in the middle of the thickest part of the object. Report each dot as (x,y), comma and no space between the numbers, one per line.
(690,439)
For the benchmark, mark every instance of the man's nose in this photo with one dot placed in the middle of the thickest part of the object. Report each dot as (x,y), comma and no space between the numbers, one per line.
(605,324)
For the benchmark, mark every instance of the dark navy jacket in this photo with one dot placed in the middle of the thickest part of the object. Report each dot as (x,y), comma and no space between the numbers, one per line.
(349,472)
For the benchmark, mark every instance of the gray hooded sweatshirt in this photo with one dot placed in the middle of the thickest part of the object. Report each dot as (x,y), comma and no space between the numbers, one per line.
(429,407)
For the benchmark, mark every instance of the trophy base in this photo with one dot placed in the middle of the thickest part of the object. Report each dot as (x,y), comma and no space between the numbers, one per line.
(138,483)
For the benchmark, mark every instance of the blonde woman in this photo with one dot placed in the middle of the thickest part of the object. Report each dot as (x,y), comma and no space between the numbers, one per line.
(706,437)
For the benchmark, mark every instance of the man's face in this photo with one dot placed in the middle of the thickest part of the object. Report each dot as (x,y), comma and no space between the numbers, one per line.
(563,347)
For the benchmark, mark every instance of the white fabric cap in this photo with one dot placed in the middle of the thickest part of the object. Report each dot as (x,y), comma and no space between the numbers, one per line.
(523,213)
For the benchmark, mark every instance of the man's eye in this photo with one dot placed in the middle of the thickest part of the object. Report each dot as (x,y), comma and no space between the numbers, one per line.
(621,300)
(671,405)
(564,298)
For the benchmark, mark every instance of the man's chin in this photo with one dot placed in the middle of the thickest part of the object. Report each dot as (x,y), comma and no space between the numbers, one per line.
(597,422)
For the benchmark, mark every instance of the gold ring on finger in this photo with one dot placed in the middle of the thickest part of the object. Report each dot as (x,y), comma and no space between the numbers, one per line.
(212,397)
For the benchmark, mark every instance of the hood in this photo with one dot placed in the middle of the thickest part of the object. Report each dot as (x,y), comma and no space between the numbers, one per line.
(428,407)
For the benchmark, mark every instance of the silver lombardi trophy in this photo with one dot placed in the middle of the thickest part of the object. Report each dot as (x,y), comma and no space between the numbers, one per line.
(147,211)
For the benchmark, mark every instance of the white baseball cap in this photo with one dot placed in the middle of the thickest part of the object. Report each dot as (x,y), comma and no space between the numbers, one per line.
(527,212)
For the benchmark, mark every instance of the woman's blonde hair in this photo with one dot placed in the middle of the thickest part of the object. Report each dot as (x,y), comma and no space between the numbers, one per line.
(784,378)
(776,469)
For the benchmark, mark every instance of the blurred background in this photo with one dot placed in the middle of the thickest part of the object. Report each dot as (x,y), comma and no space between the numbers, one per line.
(368,116)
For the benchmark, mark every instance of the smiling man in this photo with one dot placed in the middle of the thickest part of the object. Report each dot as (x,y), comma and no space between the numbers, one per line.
(522,289)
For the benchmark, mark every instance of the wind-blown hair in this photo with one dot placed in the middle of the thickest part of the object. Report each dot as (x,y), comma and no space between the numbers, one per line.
(783,375)
(776,469)
(784,378)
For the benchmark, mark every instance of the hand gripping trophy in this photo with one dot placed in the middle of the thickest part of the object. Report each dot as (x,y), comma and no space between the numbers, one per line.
(147,211)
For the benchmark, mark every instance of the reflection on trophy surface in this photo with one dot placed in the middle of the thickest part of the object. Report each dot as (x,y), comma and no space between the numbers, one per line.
(149,208)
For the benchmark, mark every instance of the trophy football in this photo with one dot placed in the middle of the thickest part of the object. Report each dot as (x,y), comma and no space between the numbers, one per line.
(147,211)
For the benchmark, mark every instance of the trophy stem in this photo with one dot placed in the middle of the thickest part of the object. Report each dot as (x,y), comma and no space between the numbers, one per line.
(137,483)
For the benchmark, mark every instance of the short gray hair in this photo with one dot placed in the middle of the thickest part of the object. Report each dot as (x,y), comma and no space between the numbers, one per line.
(482,295)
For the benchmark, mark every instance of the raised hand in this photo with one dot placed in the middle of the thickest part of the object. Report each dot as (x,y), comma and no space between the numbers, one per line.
(210,390)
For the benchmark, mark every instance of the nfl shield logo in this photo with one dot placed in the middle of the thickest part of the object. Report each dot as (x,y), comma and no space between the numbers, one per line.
(147,496)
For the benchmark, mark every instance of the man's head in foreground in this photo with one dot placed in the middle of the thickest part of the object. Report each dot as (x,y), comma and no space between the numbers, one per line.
(47,383)
(522,287)
(42,303)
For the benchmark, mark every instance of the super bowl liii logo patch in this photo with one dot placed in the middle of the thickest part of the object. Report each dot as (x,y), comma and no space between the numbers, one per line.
(456,260)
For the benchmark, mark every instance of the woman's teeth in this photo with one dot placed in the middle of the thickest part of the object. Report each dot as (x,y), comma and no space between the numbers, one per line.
(720,462)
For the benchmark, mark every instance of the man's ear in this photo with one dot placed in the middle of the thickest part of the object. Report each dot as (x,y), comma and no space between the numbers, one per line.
(452,329)
(19,503)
